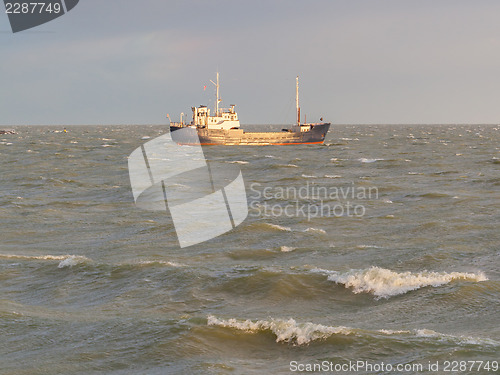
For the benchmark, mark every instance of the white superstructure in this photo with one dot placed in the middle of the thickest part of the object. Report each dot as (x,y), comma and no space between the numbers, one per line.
(224,118)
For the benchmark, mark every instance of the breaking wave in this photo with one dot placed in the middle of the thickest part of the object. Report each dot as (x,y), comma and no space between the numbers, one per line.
(158,262)
(65,260)
(279,227)
(384,283)
(289,331)
(72,260)
(285,330)
(315,230)
(366,160)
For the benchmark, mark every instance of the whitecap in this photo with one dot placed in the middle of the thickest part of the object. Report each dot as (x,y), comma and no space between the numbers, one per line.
(65,260)
(317,230)
(309,176)
(164,262)
(285,330)
(461,340)
(366,160)
(332,176)
(303,333)
(392,332)
(384,283)
(279,227)
(287,249)
(239,162)
(72,260)
(42,257)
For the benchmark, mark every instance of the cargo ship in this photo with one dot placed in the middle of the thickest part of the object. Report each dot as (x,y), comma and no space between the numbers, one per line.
(223,128)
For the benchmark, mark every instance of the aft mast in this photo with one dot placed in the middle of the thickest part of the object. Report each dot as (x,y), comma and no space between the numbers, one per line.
(297,100)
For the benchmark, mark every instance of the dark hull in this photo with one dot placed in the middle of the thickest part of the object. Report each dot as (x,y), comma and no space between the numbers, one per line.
(235,137)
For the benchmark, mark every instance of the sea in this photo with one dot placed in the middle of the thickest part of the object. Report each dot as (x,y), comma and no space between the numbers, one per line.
(377,252)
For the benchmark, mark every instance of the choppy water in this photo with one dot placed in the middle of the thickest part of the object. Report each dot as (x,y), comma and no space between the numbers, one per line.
(90,283)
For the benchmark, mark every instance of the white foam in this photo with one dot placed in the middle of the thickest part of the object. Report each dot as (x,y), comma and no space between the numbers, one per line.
(167,263)
(303,333)
(287,249)
(285,330)
(366,160)
(332,176)
(65,260)
(309,176)
(317,230)
(41,257)
(461,340)
(392,332)
(72,260)
(384,283)
(239,162)
(279,227)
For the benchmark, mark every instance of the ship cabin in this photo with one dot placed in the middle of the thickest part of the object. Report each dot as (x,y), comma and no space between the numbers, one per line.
(225,118)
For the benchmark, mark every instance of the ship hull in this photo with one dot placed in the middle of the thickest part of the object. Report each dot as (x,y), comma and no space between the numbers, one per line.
(237,137)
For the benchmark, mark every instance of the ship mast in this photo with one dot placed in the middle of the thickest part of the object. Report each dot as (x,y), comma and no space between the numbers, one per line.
(217,99)
(297,100)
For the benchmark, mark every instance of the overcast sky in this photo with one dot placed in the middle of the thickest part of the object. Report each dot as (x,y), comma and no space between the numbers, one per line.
(132,62)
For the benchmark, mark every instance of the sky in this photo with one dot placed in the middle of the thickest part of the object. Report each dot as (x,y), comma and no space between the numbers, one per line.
(359,62)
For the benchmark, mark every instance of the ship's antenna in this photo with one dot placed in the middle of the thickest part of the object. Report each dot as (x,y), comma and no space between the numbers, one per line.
(297,101)
(217,99)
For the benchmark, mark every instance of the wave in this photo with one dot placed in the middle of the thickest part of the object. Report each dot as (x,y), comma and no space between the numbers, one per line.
(279,227)
(287,249)
(157,262)
(238,162)
(368,247)
(315,230)
(384,283)
(285,330)
(366,160)
(73,260)
(461,340)
(65,260)
(288,229)
(290,331)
